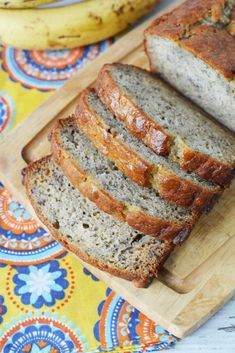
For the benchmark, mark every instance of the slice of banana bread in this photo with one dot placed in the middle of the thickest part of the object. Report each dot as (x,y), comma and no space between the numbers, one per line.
(138,161)
(97,178)
(167,122)
(82,228)
(193,48)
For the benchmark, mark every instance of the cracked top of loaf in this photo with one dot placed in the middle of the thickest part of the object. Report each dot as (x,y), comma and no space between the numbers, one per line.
(204,27)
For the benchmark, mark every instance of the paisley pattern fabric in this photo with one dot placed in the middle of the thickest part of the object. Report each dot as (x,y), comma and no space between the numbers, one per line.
(49,303)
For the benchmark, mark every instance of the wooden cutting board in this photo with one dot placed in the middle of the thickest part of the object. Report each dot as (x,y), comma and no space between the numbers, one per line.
(199,276)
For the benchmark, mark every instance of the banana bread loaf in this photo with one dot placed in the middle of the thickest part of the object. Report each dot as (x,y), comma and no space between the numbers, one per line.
(97,178)
(193,48)
(167,122)
(138,161)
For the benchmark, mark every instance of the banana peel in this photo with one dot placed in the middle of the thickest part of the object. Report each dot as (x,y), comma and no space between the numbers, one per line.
(22,4)
(70,26)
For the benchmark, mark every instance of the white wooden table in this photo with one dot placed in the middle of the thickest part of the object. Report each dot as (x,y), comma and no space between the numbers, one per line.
(217,335)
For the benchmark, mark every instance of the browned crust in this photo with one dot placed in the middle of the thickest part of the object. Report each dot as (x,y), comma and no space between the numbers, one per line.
(185,193)
(231,26)
(127,111)
(105,140)
(214,46)
(80,179)
(207,167)
(177,22)
(174,189)
(138,281)
(156,227)
(204,166)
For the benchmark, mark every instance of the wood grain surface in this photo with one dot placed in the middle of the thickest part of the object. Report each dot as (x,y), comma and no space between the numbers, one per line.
(217,335)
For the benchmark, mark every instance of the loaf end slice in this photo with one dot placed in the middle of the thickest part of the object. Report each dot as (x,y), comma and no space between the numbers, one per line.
(83,229)
(150,108)
(138,162)
(193,48)
(97,178)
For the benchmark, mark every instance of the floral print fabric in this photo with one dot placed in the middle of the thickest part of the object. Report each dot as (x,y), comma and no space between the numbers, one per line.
(49,303)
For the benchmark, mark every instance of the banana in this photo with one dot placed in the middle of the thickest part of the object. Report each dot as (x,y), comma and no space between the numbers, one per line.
(20,4)
(70,26)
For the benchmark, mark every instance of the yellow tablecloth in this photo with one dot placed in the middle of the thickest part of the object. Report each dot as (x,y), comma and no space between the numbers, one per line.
(49,303)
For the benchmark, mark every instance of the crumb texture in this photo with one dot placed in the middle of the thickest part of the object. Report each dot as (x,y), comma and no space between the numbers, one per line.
(95,233)
(172,112)
(113,181)
(119,129)
(200,35)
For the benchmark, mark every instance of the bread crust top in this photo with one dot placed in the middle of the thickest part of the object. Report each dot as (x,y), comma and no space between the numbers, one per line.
(206,28)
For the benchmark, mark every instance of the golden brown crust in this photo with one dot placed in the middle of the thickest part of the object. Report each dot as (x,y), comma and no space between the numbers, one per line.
(176,23)
(215,46)
(171,187)
(206,167)
(231,26)
(126,160)
(147,130)
(156,227)
(185,193)
(127,111)
(81,180)
(138,281)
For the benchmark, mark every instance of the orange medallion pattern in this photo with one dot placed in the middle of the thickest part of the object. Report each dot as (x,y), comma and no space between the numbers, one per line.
(121,325)
(48,301)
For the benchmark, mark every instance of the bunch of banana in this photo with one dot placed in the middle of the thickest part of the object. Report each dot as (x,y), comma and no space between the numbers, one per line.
(70,26)
(21,4)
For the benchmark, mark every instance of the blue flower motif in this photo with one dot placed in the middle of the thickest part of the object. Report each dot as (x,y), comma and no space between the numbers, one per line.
(41,284)
(3,308)
(42,337)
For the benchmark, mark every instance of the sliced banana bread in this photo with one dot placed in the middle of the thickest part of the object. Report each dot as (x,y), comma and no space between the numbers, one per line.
(167,122)
(138,161)
(82,228)
(193,48)
(97,178)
